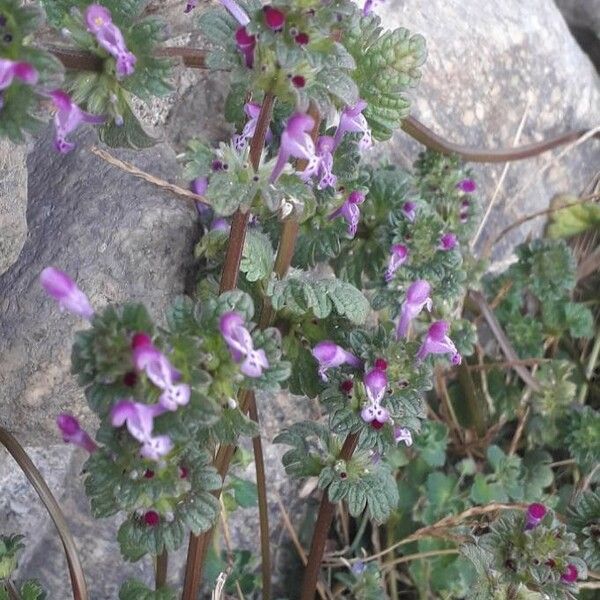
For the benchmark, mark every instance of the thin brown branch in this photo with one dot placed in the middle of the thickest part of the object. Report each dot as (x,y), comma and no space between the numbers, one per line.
(195,58)
(540,213)
(162,566)
(78,583)
(199,544)
(263,506)
(157,181)
(319,539)
(503,341)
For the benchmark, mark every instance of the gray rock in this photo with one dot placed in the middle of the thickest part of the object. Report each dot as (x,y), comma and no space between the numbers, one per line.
(490,65)
(120,238)
(583,13)
(13,202)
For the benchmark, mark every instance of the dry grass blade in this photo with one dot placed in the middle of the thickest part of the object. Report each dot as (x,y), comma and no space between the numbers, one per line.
(78,583)
(503,341)
(157,181)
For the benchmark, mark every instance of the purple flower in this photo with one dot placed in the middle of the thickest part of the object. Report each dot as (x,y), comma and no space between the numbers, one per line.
(358,568)
(409,210)
(398,256)
(163,375)
(99,22)
(190,6)
(437,342)
(448,242)
(252,110)
(535,513)
(329,355)
(237,12)
(199,185)
(350,211)
(10,69)
(246,44)
(466,185)
(324,165)
(571,574)
(417,298)
(274,18)
(67,119)
(65,291)
(73,433)
(139,419)
(402,434)
(297,143)
(353,121)
(220,224)
(375,385)
(241,346)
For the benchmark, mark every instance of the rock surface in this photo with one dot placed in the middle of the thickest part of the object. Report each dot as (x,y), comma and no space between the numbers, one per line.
(13,202)
(490,66)
(120,238)
(583,13)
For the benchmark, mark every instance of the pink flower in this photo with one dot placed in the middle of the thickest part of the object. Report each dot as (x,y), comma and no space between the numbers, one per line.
(570,575)
(353,121)
(10,69)
(324,165)
(437,342)
(99,22)
(329,356)
(139,419)
(417,298)
(252,110)
(375,385)
(73,433)
(64,290)
(466,185)
(409,210)
(402,434)
(274,18)
(241,346)
(350,212)
(398,256)
(246,44)
(448,242)
(297,143)
(156,365)
(67,119)
(535,513)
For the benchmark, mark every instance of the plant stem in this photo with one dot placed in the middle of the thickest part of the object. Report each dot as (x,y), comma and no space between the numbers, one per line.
(419,555)
(476,408)
(13,593)
(78,584)
(162,565)
(319,539)
(263,506)
(198,544)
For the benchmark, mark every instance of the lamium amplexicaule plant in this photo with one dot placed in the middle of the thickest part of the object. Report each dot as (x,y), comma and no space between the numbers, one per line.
(321,272)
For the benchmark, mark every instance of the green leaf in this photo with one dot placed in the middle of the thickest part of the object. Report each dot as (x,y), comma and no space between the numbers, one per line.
(432,442)
(32,590)
(245,492)
(258,256)
(580,320)
(135,590)
(129,135)
(570,221)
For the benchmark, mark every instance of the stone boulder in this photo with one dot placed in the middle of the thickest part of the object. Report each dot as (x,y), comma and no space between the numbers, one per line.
(491,65)
(120,238)
(13,202)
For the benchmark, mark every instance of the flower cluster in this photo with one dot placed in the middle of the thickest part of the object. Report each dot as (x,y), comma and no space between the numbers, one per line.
(109,37)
